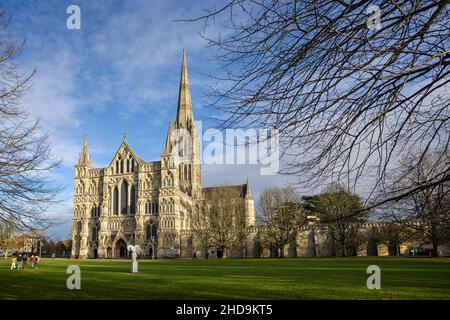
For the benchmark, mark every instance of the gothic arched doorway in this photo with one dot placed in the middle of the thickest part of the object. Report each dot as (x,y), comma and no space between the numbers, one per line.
(121,249)
(109,253)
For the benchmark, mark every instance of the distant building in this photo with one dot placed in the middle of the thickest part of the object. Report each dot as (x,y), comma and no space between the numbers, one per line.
(133,201)
(27,243)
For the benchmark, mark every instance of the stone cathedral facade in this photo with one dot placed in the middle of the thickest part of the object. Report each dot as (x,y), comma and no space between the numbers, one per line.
(133,201)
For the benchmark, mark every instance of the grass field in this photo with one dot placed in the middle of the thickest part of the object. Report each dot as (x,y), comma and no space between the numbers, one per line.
(302,278)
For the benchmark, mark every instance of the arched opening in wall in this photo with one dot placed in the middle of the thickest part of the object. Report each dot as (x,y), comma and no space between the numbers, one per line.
(116,201)
(148,232)
(121,166)
(121,249)
(133,200)
(124,197)
(95,254)
(94,234)
(117,166)
(132,165)
(185,172)
(128,165)
(109,252)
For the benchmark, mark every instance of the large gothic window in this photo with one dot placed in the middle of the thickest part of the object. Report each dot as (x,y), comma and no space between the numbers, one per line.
(148,232)
(133,200)
(151,231)
(124,197)
(116,201)
(94,234)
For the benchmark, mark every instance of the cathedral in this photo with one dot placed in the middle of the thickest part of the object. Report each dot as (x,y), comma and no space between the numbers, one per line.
(133,201)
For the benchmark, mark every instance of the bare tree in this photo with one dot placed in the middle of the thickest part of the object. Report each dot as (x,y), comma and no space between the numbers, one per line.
(222,222)
(427,211)
(7,233)
(394,234)
(25,158)
(347,95)
(282,216)
(200,228)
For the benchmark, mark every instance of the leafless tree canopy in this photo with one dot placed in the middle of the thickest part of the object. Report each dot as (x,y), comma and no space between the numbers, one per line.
(221,222)
(282,216)
(25,157)
(427,211)
(347,99)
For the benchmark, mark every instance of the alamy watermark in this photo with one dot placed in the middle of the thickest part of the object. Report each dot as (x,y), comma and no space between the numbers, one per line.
(73,21)
(374,20)
(74,280)
(229,147)
(374,280)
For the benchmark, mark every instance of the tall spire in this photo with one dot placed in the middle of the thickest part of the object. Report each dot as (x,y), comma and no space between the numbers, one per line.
(185,116)
(167,145)
(85,159)
(248,192)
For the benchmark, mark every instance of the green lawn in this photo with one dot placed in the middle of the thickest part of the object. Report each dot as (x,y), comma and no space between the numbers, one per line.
(302,278)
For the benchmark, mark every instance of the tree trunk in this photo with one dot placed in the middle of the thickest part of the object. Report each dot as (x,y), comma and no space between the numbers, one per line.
(281,252)
(392,250)
(434,251)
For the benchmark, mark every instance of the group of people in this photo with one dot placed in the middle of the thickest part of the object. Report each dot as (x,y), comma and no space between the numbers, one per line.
(20,261)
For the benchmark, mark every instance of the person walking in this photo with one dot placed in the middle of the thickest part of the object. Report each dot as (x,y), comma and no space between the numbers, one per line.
(36,262)
(32,261)
(19,261)
(13,262)
(24,258)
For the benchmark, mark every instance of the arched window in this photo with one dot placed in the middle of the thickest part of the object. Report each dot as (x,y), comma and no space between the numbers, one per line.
(190,173)
(116,201)
(128,165)
(132,165)
(148,232)
(117,166)
(124,197)
(94,234)
(185,172)
(121,166)
(133,200)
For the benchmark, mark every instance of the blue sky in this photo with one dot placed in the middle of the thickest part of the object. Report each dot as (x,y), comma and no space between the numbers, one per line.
(120,72)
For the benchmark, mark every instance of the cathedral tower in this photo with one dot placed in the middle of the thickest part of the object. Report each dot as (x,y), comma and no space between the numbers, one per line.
(180,171)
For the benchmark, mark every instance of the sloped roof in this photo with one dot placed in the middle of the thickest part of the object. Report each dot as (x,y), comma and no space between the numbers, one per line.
(240,188)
